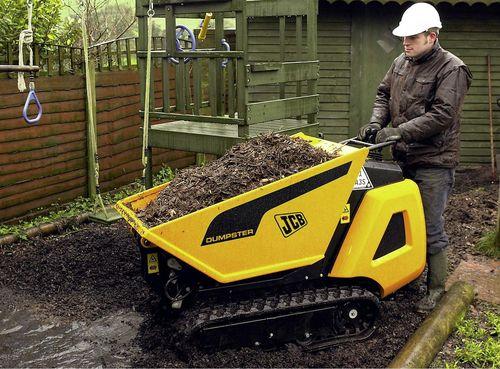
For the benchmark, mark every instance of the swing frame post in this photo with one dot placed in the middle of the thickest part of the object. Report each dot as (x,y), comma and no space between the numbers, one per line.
(104,214)
(91,110)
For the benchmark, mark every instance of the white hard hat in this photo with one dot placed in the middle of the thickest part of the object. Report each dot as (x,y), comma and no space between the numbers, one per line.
(416,19)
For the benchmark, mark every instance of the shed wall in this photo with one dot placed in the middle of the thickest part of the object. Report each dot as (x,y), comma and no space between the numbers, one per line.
(334,49)
(472,37)
(356,48)
(470,32)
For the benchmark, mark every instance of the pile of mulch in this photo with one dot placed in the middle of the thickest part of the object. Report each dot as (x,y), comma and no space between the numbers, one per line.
(244,167)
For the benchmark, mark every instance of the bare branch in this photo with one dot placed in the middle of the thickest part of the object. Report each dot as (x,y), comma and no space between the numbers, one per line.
(126,29)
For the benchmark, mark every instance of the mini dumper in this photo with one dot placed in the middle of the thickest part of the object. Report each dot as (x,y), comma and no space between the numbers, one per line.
(304,259)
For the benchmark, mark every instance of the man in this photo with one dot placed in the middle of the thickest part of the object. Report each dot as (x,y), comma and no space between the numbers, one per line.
(421,97)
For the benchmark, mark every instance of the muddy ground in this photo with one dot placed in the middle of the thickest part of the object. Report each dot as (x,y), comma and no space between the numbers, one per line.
(93,272)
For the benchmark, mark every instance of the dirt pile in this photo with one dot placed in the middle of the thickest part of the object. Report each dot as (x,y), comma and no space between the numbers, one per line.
(244,167)
(80,275)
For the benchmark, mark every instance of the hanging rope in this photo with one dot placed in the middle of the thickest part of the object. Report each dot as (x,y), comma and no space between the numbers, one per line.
(25,37)
(90,111)
(147,94)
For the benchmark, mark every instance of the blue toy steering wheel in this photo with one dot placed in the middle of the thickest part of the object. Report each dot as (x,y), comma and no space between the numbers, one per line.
(178,43)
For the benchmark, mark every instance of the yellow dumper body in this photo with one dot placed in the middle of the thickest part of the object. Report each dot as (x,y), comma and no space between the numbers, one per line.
(357,221)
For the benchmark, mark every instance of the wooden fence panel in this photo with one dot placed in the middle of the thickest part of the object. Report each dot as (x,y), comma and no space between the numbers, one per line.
(46,163)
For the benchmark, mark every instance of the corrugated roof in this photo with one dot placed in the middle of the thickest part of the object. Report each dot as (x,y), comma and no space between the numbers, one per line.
(452,2)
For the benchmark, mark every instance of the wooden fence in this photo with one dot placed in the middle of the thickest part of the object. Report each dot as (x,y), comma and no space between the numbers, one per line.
(60,60)
(119,54)
(47,163)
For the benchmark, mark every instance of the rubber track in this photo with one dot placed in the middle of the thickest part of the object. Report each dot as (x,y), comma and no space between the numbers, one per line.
(196,319)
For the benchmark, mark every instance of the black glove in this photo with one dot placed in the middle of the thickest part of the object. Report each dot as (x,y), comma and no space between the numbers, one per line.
(388,134)
(368,130)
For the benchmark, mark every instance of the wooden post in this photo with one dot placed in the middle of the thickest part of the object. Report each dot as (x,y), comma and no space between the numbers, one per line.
(312,44)
(82,62)
(197,96)
(136,43)
(212,86)
(91,127)
(149,167)
(141,44)
(110,56)
(219,35)
(153,47)
(129,57)
(99,59)
(187,88)
(61,60)
(241,66)
(165,85)
(197,93)
(71,59)
(231,93)
(10,59)
(49,63)
(157,45)
(36,56)
(170,48)
(119,54)
(170,29)
(180,86)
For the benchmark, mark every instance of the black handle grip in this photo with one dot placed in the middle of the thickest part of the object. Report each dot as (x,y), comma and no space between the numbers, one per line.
(371,146)
(382,144)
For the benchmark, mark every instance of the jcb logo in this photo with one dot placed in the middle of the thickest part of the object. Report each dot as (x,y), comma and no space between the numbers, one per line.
(290,223)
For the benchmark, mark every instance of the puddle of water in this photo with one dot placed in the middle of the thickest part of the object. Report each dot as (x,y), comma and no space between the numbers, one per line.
(27,341)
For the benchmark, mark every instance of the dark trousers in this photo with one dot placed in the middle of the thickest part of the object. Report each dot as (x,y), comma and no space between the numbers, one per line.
(435,186)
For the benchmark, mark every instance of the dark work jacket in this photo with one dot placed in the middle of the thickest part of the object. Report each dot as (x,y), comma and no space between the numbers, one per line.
(424,98)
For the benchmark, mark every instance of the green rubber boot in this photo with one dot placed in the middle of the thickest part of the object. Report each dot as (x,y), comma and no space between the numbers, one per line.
(437,265)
